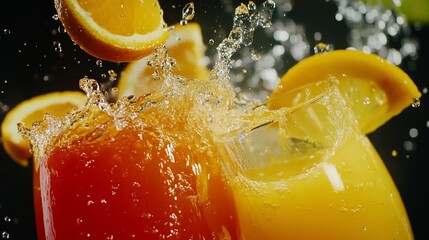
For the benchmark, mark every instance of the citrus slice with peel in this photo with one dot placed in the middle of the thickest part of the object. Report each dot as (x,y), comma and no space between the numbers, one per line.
(185,45)
(114,30)
(375,89)
(30,111)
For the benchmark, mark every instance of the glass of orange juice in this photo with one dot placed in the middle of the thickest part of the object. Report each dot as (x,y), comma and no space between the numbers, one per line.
(141,168)
(309,173)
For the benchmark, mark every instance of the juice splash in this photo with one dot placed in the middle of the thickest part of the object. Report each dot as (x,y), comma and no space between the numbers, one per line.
(144,166)
(141,129)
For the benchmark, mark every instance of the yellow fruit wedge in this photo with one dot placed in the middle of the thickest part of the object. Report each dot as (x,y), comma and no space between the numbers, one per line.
(30,111)
(375,89)
(114,30)
(185,45)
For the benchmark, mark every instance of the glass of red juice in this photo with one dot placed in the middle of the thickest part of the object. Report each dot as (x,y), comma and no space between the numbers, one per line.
(143,168)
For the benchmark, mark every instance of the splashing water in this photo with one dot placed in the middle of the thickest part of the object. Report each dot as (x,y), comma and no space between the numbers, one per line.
(212,96)
(246,19)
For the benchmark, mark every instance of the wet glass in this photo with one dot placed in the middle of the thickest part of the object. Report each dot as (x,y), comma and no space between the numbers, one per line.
(309,173)
(138,169)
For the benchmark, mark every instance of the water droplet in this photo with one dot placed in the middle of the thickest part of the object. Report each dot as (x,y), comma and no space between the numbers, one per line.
(394,153)
(57,46)
(251,6)
(416,102)
(61,29)
(188,13)
(7,219)
(5,235)
(55,17)
(409,146)
(4,107)
(99,63)
(211,41)
(6,31)
(317,36)
(112,73)
(413,132)
(323,48)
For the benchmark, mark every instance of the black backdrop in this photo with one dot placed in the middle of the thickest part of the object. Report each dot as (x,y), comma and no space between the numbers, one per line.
(31,65)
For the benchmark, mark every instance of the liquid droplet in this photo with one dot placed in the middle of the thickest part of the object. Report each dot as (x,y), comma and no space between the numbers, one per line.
(413,132)
(5,235)
(188,13)
(57,46)
(61,29)
(99,63)
(323,48)
(251,6)
(394,153)
(112,73)
(416,102)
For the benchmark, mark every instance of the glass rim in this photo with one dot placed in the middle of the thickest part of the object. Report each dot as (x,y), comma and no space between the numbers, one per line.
(323,87)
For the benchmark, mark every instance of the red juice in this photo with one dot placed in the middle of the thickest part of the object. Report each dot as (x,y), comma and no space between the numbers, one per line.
(156,178)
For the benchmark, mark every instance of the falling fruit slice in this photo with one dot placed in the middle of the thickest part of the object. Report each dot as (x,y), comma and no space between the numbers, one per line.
(30,111)
(375,89)
(114,30)
(185,45)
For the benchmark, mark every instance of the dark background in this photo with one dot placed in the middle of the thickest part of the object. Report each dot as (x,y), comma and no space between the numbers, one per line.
(31,64)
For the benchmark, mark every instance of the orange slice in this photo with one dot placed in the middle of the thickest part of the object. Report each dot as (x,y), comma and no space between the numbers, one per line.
(114,30)
(185,45)
(375,89)
(32,110)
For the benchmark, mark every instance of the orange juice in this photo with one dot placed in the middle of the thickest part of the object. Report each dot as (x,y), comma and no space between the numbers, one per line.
(347,196)
(311,174)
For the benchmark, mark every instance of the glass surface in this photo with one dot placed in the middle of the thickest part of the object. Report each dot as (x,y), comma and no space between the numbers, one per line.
(311,174)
